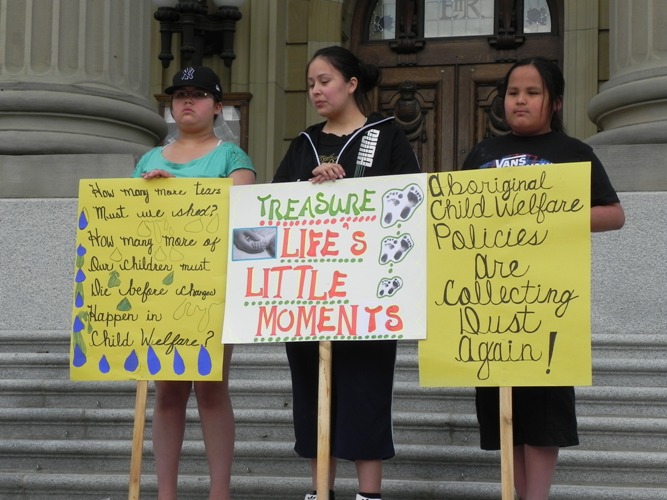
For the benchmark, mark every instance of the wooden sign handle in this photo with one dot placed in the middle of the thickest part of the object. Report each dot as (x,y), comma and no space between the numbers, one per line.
(138,439)
(506,444)
(324,421)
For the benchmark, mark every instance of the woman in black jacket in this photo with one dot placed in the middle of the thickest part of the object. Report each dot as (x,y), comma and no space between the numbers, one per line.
(350,143)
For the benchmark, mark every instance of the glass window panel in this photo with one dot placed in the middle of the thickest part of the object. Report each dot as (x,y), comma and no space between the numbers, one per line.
(445,18)
(536,16)
(382,25)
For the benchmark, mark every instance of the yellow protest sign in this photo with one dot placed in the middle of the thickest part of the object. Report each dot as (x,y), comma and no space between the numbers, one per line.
(149,285)
(509,278)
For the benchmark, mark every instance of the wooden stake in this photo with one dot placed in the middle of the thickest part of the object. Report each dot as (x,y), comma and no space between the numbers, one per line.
(324,421)
(138,439)
(506,444)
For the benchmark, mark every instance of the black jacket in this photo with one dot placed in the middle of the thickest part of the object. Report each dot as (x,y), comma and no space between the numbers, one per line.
(377,148)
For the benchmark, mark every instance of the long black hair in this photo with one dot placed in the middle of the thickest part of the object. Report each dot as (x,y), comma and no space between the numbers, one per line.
(350,66)
(553,81)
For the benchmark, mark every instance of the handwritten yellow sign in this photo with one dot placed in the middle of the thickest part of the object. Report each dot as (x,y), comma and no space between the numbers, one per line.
(509,278)
(149,286)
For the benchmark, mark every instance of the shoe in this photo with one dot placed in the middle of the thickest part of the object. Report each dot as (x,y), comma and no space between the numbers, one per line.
(361,497)
(313,496)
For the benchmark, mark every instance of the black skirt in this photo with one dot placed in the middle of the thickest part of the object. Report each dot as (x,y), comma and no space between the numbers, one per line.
(361,398)
(541,416)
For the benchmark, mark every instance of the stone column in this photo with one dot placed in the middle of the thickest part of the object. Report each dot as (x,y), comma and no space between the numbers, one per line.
(580,47)
(74,77)
(631,108)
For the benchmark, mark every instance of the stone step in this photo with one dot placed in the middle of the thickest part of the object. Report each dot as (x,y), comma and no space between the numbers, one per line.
(53,426)
(261,459)
(268,365)
(272,365)
(40,341)
(44,486)
(650,402)
(649,372)
(631,346)
(647,402)
(635,346)
(72,424)
(596,433)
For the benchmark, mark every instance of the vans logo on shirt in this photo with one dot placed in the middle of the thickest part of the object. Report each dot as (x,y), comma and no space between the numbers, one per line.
(516,160)
(512,161)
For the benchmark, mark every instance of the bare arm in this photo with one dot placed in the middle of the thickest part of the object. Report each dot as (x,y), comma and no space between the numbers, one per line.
(607,217)
(242,176)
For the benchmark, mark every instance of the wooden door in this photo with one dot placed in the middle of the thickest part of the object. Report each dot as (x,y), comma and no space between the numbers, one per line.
(443,86)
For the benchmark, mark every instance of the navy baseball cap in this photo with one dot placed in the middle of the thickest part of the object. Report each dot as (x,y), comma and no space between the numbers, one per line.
(201,77)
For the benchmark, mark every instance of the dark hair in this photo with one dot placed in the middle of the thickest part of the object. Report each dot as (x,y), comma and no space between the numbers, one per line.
(350,66)
(552,78)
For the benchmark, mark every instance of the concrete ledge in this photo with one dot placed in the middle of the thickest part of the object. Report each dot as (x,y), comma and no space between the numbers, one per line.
(632,167)
(57,176)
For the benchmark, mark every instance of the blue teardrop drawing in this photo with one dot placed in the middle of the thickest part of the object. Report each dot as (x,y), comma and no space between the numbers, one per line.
(79,358)
(81,251)
(204,361)
(154,365)
(80,276)
(179,364)
(104,365)
(131,362)
(78,302)
(78,325)
(83,221)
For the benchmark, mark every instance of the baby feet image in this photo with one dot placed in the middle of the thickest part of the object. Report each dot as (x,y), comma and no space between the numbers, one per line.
(399,205)
(395,249)
(389,286)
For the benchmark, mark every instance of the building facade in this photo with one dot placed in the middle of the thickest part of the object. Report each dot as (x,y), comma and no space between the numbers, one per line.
(79,80)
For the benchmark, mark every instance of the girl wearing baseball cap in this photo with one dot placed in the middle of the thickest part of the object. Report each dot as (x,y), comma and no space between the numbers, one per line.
(197,152)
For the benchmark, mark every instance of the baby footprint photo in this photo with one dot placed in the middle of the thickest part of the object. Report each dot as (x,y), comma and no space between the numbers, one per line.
(395,249)
(389,286)
(254,243)
(399,205)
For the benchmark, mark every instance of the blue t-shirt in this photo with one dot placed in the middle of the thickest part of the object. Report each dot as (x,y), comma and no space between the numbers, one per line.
(220,162)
